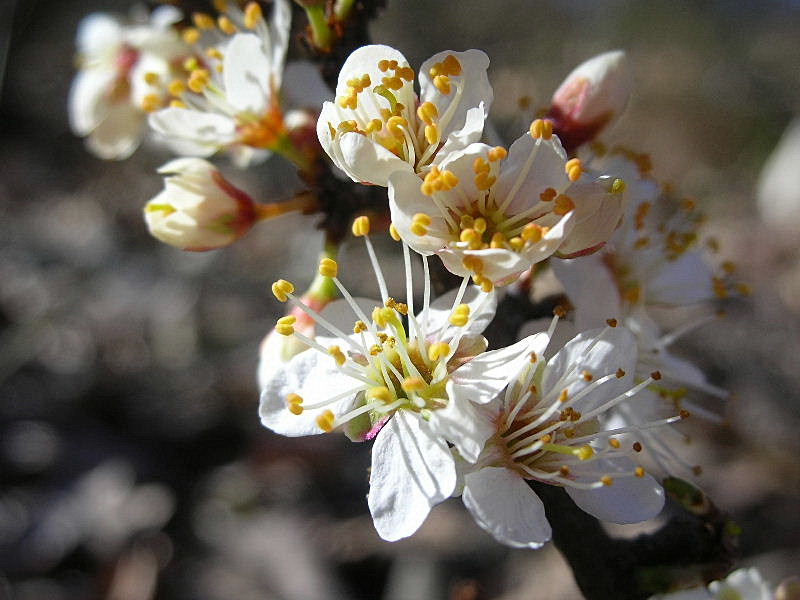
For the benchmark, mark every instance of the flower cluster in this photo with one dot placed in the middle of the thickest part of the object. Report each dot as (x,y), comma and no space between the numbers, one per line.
(573,402)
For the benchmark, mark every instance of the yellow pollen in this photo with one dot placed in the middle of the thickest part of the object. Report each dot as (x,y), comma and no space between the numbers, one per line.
(472,263)
(460,315)
(449,179)
(438,350)
(203,21)
(393,83)
(151,78)
(442,83)
(395,125)
(190,36)
(406,73)
(573,169)
(606,480)
(563,396)
(532,233)
(394,233)
(563,205)
(451,66)
(618,186)
(533,357)
(295,404)
(420,223)
(281,289)
(359,327)
(176,87)
(479,165)
(541,129)
(190,64)
(198,79)
(483,181)
(328,267)
(226,25)
(383,65)
(337,355)
(427,112)
(285,325)
(361,226)
(151,102)
(432,134)
(497,153)
(413,384)
(498,241)
(620,374)
(252,15)
(214,53)
(548,195)
(381,393)
(613,442)
(177,104)
(325,421)
(584,452)
(639,472)
(374,126)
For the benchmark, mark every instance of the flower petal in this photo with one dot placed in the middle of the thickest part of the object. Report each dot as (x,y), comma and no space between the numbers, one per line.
(470,133)
(628,499)
(245,74)
(367,161)
(88,99)
(503,505)
(364,61)
(463,426)
(119,134)
(482,309)
(685,280)
(412,471)
(193,132)
(591,290)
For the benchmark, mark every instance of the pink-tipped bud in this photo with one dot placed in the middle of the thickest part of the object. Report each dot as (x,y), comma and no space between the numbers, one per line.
(591,96)
(198,208)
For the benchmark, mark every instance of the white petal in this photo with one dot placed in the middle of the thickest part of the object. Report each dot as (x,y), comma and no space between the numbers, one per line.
(405,201)
(197,133)
(616,349)
(476,88)
(503,505)
(280,29)
(88,103)
(532,166)
(245,73)
(470,133)
(364,61)
(486,375)
(119,134)
(329,117)
(98,33)
(597,215)
(481,311)
(591,289)
(412,471)
(742,583)
(685,280)
(463,426)
(367,161)
(315,378)
(628,499)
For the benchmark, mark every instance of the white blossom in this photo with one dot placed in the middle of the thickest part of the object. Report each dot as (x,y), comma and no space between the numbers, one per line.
(378,125)
(742,584)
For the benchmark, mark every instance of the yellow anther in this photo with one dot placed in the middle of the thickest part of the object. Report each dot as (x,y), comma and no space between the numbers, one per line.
(381,316)
(413,384)
(639,472)
(460,315)
(427,112)
(226,25)
(151,102)
(420,223)
(295,404)
(564,471)
(432,134)
(449,180)
(375,349)
(620,373)
(541,129)
(586,375)
(618,186)
(560,311)
(347,126)
(438,350)
(361,226)
(611,322)
(381,393)
(466,221)
(337,355)
(325,421)
(151,78)
(532,233)
(548,195)
(203,21)
(516,243)
(483,181)
(394,233)
(383,65)
(656,375)
(470,236)
(175,103)
(359,327)
(584,452)
(198,80)
(451,66)
(479,165)
(637,447)
(221,6)
(214,53)
(393,83)
(442,83)
(498,240)
(473,264)
(614,443)
(190,64)
(563,205)
(328,267)
(406,73)
(191,36)
(563,396)
(350,101)
(393,65)
(176,87)
(252,15)
(285,325)
(606,480)
(395,125)
(573,169)
(497,153)
(281,289)
(684,414)
(373,126)
(480,225)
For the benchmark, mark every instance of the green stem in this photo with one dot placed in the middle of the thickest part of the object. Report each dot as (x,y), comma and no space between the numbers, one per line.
(342,9)
(321,33)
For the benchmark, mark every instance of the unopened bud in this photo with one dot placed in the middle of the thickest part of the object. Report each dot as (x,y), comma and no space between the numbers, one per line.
(198,208)
(591,96)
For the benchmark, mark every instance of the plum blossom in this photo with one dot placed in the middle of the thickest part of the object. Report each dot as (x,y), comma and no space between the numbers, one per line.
(230,100)
(742,584)
(494,213)
(124,68)
(396,376)
(547,426)
(379,125)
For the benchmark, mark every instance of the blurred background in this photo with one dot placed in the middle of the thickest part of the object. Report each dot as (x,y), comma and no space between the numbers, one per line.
(133,463)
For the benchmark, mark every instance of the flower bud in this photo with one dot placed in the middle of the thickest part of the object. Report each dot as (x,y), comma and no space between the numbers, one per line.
(591,96)
(198,208)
